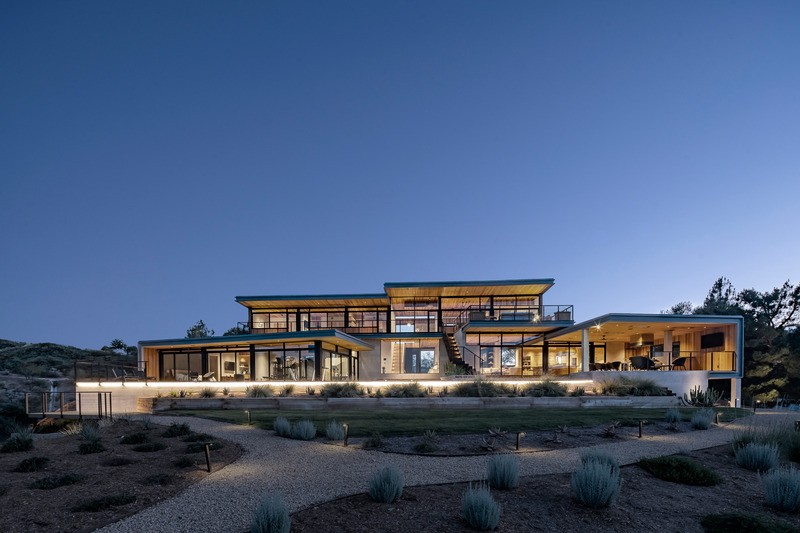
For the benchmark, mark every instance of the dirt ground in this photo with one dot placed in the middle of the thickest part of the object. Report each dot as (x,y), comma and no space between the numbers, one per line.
(25,509)
(544,503)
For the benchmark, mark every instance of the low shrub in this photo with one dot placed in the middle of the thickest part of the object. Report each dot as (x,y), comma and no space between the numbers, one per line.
(782,489)
(673,416)
(578,391)
(342,390)
(21,440)
(119,461)
(53,482)
(282,427)
(702,419)
(626,386)
(743,523)
(405,390)
(74,428)
(503,472)
(177,430)
(286,390)
(103,503)
(595,484)
(386,485)
(197,437)
(680,469)
(207,392)
(781,435)
(135,438)
(32,464)
(600,456)
(429,443)
(90,432)
(479,508)
(197,447)
(481,389)
(758,457)
(271,516)
(303,430)
(150,447)
(159,478)
(374,441)
(51,425)
(258,391)
(545,388)
(334,430)
(702,398)
(183,462)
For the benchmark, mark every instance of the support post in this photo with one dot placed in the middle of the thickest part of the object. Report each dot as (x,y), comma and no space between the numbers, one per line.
(346,433)
(44,404)
(207,448)
(584,350)
(641,423)
(520,436)
(61,403)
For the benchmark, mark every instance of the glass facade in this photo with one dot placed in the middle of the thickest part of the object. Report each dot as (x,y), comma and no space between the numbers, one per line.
(410,356)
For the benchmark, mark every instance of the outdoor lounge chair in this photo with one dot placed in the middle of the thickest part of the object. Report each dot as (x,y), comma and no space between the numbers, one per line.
(639,362)
(679,362)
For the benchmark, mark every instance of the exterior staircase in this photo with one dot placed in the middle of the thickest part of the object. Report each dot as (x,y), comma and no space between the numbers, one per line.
(453,351)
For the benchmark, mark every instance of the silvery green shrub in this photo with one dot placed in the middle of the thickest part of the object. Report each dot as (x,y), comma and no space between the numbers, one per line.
(386,485)
(303,430)
(782,489)
(282,427)
(758,457)
(503,472)
(596,484)
(334,430)
(271,516)
(702,419)
(479,508)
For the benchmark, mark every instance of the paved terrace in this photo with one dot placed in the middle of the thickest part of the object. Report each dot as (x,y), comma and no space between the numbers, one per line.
(308,473)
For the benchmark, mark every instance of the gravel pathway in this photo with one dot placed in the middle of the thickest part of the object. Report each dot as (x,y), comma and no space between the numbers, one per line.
(308,473)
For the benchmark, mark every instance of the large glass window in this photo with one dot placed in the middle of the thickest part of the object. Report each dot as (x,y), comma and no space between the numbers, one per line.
(412,356)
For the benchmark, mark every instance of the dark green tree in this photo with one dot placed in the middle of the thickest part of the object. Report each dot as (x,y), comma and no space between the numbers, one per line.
(199,330)
(235,330)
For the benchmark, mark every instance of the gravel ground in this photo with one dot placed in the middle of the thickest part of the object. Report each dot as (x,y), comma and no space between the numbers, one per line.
(309,473)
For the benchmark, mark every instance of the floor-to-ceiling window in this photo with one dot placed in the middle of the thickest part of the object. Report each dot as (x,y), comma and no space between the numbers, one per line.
(410,356)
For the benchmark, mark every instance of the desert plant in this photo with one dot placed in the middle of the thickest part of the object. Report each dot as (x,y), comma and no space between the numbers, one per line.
(90,432)
(610,431)
(782,489)
(207,392)
(73,428)
(95,446)
(545,388)
(226,391)
(258,391)
(53,482)
(173,394)
(286,390)
(177,430)
(596,484)
(702,419)
(479,508)
(503,472)
(311,391)
(342,390)
(32,464)
(21,440)
(105,502)
(680,469)
(626,386)
(743,523)
(334,430)
(386,485)
(147,423)
(282,427)
(271,516)
(578,391)
(429,443)
(183,393)
(481,389)
(375,440)
(303,430)
(149,447)
(758,457)
(135,438)
(672,416)
(405,390)
(702,398)
(600,456)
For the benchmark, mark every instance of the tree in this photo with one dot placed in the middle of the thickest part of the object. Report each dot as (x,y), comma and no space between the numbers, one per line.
(235,330)
(199,330)
(680,308)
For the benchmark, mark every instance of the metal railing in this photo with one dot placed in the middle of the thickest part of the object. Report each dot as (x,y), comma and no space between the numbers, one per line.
(528,314)
(104,371)
(69,404)
(710,360)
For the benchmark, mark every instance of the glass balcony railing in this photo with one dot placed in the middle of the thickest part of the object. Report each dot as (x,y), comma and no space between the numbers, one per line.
(532,314)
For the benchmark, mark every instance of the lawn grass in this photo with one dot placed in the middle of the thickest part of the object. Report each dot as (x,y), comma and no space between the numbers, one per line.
(398,422)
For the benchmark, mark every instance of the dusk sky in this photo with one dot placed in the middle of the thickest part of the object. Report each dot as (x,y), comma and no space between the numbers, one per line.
(158,159)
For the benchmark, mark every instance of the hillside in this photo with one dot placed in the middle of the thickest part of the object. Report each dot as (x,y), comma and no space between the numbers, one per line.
(50,360)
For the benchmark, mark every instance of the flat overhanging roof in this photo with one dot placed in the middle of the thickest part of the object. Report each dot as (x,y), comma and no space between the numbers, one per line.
(464,289)
(314,300)
(619,327)
(331,336)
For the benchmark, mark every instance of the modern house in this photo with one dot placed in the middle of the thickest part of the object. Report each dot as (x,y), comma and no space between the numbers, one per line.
(439,331)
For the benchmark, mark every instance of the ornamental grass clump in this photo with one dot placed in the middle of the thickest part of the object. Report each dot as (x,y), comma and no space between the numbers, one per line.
(481,389)
(282,427)
(271,516)
(625,386)
(386,485)
(596,484)
(479,508)
(503,472)
(258,391)
(758,457)
(177,430)
(405,390)
(546,388)
(702,419)
(342,390)
(207,392)
(672,416)
(303,430)
(90,433)
(782,489)
(334,430)
(600,456)
(32,464)
(21,440)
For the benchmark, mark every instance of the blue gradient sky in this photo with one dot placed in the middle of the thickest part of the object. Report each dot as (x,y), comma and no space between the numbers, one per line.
(159,158)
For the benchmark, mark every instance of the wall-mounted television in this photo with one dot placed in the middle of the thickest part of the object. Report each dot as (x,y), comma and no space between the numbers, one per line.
(230,366)
(712,340)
